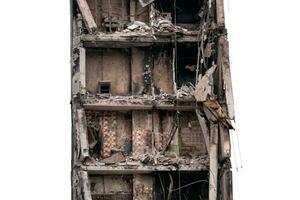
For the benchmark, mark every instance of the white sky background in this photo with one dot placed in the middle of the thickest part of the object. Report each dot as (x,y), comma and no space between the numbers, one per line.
(35,128)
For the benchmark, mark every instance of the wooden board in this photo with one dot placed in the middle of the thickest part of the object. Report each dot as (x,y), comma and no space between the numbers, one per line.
(87,16)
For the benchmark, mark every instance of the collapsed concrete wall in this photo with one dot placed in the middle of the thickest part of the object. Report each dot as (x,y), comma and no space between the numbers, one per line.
(152,100)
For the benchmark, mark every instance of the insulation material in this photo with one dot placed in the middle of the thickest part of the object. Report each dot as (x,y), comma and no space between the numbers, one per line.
(108,123)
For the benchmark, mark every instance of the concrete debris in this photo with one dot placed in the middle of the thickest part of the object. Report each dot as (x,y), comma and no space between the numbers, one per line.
(185,91)
(145,159)
(114,158)
(163,24)
(104,99)
(137,26)
(182,160)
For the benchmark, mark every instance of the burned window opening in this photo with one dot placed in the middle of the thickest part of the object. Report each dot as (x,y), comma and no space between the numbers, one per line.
(186,65)
(187,12)
(181,185)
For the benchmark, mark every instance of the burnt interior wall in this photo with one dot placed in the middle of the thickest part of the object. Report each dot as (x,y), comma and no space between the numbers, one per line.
(109,132)
(138,62)
(191,139)
(141,13)
(162,70)
(141,133)
(111,65)
(111,187)
(116,12)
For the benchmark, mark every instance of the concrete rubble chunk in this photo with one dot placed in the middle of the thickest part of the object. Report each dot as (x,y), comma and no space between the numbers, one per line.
(137,26)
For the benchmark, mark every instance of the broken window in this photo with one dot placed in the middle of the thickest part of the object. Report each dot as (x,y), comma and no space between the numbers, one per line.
(181,185)
(186,65)
(186,13)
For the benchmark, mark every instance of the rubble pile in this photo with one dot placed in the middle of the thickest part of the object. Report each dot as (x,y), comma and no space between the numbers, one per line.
(162,23)
(107,99)
(185,92)
(137,26)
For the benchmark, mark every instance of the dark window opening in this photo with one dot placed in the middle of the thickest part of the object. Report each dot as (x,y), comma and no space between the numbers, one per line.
(104,87)
(186,10)
(186,65)
(192,185)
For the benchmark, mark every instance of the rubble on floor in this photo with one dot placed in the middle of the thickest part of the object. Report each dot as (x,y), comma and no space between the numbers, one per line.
(163,24)
(186,92)
(137,26)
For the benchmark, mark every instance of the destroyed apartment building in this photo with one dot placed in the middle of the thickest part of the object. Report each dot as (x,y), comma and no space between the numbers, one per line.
(152,102)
